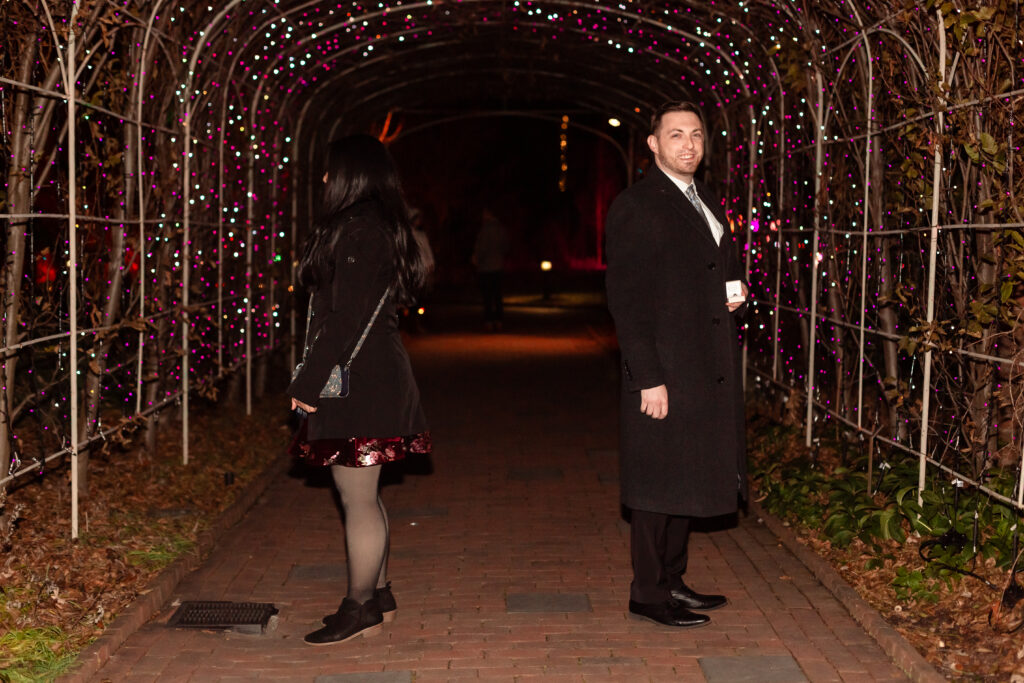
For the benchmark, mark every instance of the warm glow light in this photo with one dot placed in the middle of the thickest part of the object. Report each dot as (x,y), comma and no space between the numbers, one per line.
(545,265)
(614,122)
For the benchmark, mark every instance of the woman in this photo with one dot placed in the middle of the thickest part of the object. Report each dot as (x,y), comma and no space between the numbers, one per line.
(360,254)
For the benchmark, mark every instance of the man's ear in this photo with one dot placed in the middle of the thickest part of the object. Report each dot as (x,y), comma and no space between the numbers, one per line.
(652,143)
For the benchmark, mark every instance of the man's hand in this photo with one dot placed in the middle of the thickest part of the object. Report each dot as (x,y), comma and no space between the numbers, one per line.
(302,406)
(733,305)
(654,402)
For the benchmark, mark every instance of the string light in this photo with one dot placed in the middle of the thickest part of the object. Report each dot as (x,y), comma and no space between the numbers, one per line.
(749,65)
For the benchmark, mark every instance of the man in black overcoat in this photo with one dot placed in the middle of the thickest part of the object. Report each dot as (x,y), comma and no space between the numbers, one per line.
(682,442)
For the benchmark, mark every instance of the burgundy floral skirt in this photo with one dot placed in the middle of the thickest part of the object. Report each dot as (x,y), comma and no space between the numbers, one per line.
(357,451)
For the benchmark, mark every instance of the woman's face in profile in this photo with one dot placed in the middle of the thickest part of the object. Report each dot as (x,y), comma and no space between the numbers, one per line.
(325,177)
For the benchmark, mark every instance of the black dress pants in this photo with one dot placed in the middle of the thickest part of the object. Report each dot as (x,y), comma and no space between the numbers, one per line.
(658,548)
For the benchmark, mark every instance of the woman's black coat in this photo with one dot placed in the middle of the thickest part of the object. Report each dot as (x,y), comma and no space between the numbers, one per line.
(666,292)
(383,400)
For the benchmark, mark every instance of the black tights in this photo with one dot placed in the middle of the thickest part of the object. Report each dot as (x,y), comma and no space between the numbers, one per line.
(366,529)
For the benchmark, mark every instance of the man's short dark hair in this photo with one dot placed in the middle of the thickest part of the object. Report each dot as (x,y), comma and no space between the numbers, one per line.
(670,107)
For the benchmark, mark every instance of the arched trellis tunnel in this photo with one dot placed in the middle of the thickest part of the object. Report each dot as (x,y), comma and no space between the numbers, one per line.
(865,154)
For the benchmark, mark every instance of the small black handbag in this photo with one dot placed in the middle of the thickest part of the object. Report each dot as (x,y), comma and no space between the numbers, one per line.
(337,385)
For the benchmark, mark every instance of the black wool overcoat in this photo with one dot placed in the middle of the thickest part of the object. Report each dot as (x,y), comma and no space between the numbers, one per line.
(383,400)
(666,292)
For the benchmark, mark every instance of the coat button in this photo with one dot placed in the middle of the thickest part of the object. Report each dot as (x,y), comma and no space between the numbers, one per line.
(711,266)
(721,380)
(716,321)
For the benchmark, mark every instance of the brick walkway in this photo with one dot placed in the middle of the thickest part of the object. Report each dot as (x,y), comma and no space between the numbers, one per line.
(509,557)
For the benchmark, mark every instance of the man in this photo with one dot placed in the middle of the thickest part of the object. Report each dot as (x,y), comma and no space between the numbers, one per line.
(682,442)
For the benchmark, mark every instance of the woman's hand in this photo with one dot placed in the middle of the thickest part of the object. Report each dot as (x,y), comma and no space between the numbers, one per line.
(296,403)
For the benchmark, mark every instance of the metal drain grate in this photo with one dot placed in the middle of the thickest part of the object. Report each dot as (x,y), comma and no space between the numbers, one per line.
(243,617)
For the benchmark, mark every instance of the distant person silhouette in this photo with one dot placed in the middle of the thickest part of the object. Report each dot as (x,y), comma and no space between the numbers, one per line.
(489,253)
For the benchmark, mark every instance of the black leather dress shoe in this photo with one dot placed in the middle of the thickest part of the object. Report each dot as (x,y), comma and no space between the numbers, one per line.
(691,599)
(669,613)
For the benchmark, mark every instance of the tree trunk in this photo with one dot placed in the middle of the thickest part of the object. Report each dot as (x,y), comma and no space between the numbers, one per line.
(160,200)
(103,343)
(154,370)
(887,322)
(981,376)
(18,201)
(100,351)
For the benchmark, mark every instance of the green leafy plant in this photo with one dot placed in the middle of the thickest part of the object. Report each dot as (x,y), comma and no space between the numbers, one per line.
(830,492)
(914,585)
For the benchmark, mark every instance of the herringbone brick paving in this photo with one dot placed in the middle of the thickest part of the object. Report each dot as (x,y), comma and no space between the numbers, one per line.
(518,505)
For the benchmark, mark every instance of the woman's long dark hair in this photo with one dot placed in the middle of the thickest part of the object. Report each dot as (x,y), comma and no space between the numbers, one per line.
(360,169)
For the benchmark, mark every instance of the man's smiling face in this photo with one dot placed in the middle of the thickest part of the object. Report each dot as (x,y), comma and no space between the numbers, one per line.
(678,144)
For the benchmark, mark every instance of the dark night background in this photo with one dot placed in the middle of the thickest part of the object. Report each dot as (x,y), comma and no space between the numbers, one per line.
(510,165)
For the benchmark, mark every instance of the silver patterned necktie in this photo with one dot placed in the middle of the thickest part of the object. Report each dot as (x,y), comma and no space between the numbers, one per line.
(691,194)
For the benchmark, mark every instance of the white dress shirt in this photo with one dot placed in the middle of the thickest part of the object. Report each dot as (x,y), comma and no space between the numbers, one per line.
(716,228)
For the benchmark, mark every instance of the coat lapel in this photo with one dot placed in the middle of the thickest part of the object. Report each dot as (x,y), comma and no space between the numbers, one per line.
(690,219)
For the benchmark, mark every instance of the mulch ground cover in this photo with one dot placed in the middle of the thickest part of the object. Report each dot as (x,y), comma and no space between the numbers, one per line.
(958,625)
(143,511)
(953,633)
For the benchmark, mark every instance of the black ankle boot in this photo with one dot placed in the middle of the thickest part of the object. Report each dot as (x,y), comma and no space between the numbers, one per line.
(385,600)
(352,619)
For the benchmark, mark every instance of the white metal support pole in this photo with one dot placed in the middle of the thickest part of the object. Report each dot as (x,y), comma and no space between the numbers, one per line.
(1020,487)
(220,238)
(140,249)
(220,187)
(293,255)
(819,157)
(294,251)
(864,228)
(317,138)
(250,236)
(296,182)
(249,293)
(186,280)
(272,316)
(306,181)
(69,85)
(1010,171)
(933,243)
(781,213)
(751,167)
(188,93)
